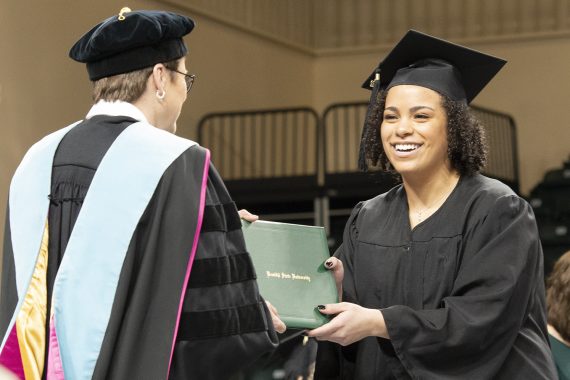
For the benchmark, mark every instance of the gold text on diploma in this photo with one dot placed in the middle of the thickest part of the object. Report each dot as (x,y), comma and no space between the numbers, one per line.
(287,276)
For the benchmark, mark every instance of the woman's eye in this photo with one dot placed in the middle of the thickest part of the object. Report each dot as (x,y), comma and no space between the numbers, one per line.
(389,116)
(422,116)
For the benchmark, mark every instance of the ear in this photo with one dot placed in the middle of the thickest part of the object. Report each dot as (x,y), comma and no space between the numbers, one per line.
(159,77)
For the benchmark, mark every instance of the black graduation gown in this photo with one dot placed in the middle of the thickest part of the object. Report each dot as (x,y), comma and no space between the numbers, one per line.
(462,293)
(224,324)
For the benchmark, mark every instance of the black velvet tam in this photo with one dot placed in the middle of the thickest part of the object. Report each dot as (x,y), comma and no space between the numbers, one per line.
(423,60)
(131,41)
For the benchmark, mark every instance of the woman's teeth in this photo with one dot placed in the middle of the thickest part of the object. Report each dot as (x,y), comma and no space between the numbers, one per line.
(406,147)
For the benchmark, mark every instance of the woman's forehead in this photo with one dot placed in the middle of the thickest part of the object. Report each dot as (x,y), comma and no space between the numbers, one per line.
(412,94)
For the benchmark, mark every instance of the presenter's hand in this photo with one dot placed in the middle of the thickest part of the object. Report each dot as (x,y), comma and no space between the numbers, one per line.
(335,266)
(351,324)
(277,322)
(248,216)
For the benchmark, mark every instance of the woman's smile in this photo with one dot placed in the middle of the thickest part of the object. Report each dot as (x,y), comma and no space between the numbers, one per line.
(405,150)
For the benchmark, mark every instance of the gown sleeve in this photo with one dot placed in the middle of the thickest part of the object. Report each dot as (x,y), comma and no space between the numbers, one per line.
(225,323)
(475,327)
(334,361)
(344,254)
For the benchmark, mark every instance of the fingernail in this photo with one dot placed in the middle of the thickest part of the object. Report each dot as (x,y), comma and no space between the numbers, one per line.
(328,264)
(321,307)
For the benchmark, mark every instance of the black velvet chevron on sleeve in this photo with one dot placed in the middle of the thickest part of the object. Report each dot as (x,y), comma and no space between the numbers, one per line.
(224,318)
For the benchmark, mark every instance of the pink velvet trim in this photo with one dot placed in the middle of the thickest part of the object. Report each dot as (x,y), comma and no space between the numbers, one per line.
(10,356)
(54,367)
(192,253)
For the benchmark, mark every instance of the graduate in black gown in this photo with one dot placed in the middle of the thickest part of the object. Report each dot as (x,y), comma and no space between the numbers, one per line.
(182,302)
(441,277)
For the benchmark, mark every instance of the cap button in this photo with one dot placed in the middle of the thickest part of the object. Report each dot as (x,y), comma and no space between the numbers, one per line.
(122,13)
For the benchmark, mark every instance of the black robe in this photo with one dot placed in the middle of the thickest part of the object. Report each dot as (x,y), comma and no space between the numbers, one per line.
(224,325)
(462,293)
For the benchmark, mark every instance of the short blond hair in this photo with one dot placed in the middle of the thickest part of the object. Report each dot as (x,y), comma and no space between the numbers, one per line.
(126,87)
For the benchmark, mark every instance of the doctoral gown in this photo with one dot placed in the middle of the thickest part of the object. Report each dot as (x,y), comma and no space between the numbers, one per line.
(462,293)
(224,323)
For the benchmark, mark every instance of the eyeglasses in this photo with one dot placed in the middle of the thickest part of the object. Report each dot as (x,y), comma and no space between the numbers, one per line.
(188,78)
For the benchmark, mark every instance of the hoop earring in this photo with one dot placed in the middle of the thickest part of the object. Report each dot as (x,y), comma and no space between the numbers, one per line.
(160,94)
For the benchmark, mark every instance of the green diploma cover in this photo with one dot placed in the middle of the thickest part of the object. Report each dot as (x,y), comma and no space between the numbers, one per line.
(289,263)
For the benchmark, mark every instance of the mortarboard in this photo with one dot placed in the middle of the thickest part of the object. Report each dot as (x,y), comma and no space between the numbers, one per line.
(131,41)
(450,69)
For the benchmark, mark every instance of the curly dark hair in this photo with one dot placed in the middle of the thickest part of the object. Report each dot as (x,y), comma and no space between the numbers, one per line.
(558,296)
(467,150)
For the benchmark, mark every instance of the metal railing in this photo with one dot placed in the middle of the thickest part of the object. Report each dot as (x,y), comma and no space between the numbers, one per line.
(269,160)
(258,144)
(502,159)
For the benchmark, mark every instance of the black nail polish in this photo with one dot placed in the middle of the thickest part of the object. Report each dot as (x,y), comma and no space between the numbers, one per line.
(328,264)
(321,307)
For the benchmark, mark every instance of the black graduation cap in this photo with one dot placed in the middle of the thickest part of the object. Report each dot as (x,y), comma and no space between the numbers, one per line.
(131,41)
(427,61)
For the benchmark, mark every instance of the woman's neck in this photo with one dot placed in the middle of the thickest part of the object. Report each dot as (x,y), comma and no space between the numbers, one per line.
(426,196)
(552,331)
(154,111)
(425,191)
(144,104)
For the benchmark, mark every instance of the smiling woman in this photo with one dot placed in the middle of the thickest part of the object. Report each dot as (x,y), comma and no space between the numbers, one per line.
(441,276)
(414,140)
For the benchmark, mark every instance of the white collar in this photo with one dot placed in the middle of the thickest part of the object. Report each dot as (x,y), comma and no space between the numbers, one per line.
(116,108)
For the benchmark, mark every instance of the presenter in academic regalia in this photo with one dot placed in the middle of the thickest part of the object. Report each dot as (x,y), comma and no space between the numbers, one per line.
(123,254)
(442,275)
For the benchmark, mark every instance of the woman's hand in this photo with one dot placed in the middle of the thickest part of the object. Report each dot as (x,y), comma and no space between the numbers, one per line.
(246,215)
(277,322)
(335,266)
(351,324)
